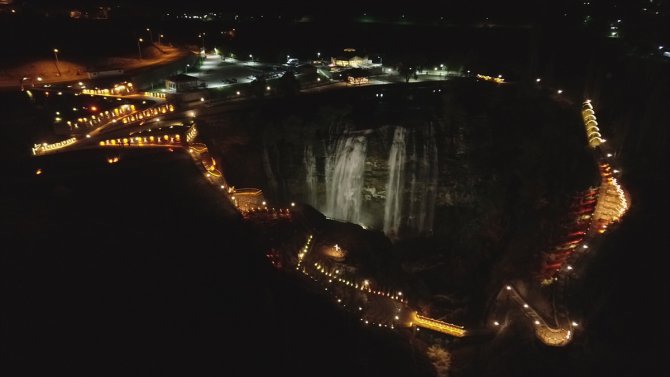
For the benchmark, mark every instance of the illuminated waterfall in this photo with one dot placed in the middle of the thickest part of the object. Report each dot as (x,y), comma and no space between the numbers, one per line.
(396,184)
(267,167)
(311,179)
(344,178)
(423,184)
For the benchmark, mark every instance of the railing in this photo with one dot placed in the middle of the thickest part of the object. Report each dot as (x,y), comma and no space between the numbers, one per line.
(591,125)
(43,148)
(154,94)
(191,134)
(144,141)
(437,325)
(148,113)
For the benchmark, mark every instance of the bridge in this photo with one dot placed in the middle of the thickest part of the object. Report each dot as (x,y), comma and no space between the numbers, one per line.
(437,325)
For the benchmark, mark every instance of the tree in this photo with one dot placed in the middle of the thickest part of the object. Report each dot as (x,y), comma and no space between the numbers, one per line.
(406,71)
(258,87)
(288,85)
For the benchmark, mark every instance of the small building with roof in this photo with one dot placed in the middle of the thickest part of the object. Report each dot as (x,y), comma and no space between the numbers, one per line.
(350,59)
(181,83)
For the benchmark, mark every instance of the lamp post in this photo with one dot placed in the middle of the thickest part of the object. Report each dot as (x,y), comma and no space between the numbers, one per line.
(187,65)
(159,38)
(202,35)
(56,56)
(139,48)
(151,36)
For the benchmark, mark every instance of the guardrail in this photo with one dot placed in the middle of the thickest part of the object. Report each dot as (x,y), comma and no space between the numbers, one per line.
(40,149)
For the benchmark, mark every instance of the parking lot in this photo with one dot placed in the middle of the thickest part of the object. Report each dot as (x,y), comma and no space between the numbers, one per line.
(216,73)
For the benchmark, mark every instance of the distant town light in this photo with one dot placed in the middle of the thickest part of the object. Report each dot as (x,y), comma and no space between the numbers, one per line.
(537,322)
(575,324)
(559,91)
(538,79)
(496,323)
(509,288)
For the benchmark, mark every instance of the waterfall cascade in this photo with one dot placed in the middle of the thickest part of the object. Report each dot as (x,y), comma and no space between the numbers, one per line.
(311,179)
(344,178)
(267,167)
(423,184)
(395,188)
(410,175)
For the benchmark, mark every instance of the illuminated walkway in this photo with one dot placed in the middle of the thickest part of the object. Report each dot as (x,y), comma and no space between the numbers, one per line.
(611,204)
(436,325)
(549,335)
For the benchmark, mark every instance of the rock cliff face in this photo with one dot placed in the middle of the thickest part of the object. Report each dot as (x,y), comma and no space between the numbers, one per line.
(467,183)
(390,177)
(407,166)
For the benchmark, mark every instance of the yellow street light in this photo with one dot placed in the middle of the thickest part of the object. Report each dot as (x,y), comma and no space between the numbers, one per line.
(139,48)
(56,56)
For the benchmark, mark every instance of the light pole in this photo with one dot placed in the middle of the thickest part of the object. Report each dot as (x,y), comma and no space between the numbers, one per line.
(56,56)
(139,48)
(159,38)
(151,36)
(187,65)
(202,35)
